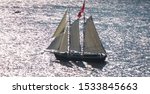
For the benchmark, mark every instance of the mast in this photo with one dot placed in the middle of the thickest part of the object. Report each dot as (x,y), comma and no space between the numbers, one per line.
(79,15)
(84,13)
(83,30)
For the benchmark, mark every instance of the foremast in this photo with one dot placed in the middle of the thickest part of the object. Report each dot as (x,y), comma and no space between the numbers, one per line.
(69,26)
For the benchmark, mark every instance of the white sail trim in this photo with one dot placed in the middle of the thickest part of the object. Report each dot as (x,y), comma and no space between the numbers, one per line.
(61,27)
(92,41)
(74,36)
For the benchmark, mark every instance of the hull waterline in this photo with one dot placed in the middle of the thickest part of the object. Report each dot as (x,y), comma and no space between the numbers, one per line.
(80,57)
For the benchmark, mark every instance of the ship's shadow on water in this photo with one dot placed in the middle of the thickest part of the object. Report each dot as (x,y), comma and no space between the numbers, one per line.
(98,65)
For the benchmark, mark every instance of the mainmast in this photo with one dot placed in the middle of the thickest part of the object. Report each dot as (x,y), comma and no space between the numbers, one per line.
(79,15)
(83,29)
(84,13)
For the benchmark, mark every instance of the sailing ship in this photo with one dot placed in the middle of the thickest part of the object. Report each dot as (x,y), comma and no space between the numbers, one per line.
(67,46)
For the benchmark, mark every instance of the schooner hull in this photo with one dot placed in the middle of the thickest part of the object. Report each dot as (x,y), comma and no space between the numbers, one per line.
(79,57)
(94,58)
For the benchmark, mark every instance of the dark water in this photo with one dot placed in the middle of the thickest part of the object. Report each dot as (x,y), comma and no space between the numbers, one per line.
(26,28)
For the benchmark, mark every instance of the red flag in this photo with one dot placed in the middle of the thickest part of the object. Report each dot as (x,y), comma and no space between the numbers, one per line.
(82,10)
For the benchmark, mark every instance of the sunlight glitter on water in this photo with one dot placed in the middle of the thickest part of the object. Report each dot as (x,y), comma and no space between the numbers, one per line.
(122,26)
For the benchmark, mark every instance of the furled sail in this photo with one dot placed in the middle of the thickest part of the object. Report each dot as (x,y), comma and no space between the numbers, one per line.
(61,27)
(74,36)
(92,42)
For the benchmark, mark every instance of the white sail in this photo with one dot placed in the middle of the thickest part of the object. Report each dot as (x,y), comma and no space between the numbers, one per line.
(61,27)
(92,41)
(60,43)
(74,36)
(55,44)
(64,42)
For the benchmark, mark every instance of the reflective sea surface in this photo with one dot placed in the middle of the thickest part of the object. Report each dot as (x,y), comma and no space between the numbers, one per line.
(26,27)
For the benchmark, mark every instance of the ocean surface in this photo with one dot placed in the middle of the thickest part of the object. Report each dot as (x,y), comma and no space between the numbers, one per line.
(26,27)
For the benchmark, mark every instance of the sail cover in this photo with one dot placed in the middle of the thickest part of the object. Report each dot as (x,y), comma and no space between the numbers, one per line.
(61,27)
(92,42)
(74,36)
